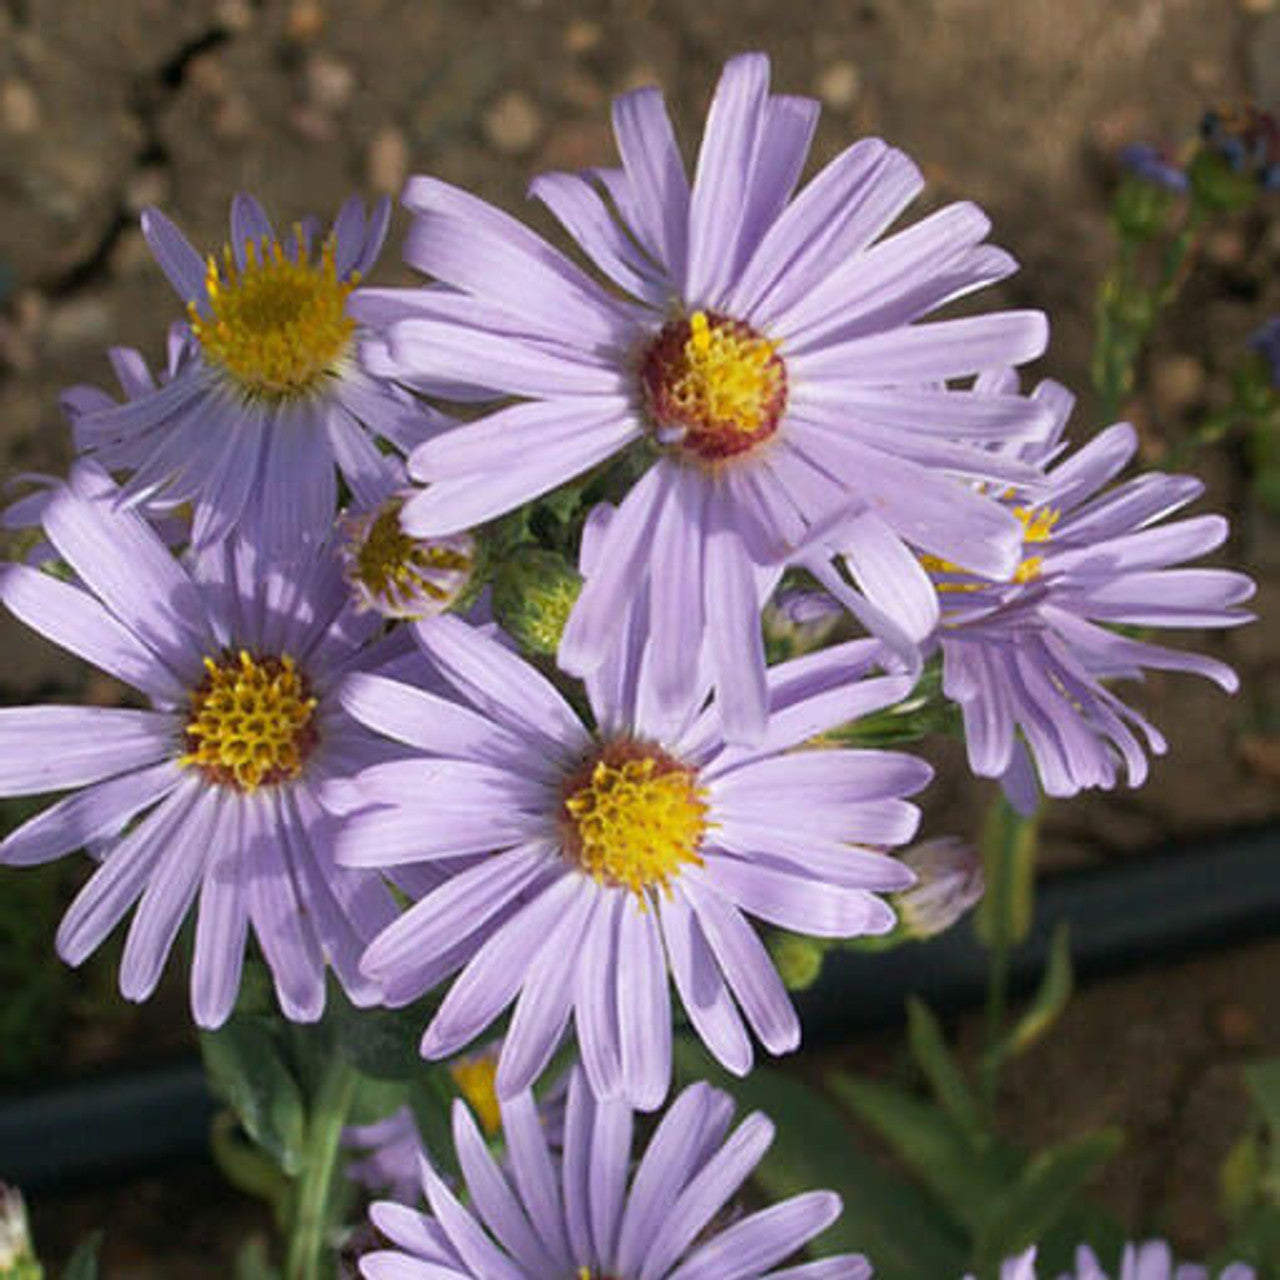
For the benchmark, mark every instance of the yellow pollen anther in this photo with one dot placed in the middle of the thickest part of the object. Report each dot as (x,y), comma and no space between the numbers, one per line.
(715,381)
(251,722)
(727,378)
(278,325)
(402,576)
(1037,525)
(634,816)
(476,1080)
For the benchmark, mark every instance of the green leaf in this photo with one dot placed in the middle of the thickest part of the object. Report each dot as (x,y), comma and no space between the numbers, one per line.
(376,1099)
(253,1262)
(884,1216)
(1051,998)
(934,1057)
(1240,1176)
(431,1096)
(247,1070)
(1047,1189)
(381,1043)
(83,1264)
(1009,866)
(1262,1079)
(932,1145)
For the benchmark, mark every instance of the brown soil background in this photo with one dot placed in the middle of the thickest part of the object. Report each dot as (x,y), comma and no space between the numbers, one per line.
(1017,104)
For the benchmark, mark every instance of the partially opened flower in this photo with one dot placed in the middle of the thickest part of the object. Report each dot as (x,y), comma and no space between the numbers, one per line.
(760,344)
(590,1212)
(618,851)
(269,401)
(1152,1260)
(211,792)
(393,1150)
(1029,660)
(136,381)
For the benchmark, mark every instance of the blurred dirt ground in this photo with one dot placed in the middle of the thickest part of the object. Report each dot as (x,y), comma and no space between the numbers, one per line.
(1020,105)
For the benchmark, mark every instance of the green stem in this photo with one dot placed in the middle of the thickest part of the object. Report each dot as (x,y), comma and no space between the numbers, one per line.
(310,1219)
(997,988)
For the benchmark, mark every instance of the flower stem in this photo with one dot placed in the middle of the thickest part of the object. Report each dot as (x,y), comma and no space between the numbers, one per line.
(310,1218)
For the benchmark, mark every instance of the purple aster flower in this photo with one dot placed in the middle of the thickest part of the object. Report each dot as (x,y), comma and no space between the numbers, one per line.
(136,381)
(763,346)
(1154,165)
(586,1213)
(1247,139)
(268,399)
(391,1150)
(1026,659)
(1150,1261)
(1266,341)
(618,852)
(394,1149)
(212,790)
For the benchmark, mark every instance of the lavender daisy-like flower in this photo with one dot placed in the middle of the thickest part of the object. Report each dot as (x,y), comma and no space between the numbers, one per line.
(620,851)
(1028,660)
(585,1213)
(211,791)
(1152,1260)
(763,345)
(26,513)
(269,400)
(1154,165)
(1265,340)
(393,1148)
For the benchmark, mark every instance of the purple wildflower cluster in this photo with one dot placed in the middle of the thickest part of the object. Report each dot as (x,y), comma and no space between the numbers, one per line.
(279,545)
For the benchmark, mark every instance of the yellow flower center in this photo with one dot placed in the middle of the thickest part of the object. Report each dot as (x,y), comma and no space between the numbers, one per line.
(634,816)
(402,576)
(713,385)
(475,1078)
(279,325)
(1037,525)
(251,722)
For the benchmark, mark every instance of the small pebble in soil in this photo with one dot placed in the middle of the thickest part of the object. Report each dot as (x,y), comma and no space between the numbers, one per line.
(330,83)
(582,35)
(387,160)
(513,124)
(1234,1025)
(1177,383)
(235,15)
(148,186)
(19,107)
(838,85)
(305,21)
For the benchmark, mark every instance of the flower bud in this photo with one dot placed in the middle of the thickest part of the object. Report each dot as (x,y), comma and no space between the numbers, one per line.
(797,621)
(17,1256)
(798,959)
(533,593)
(397,575)
(948,883)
